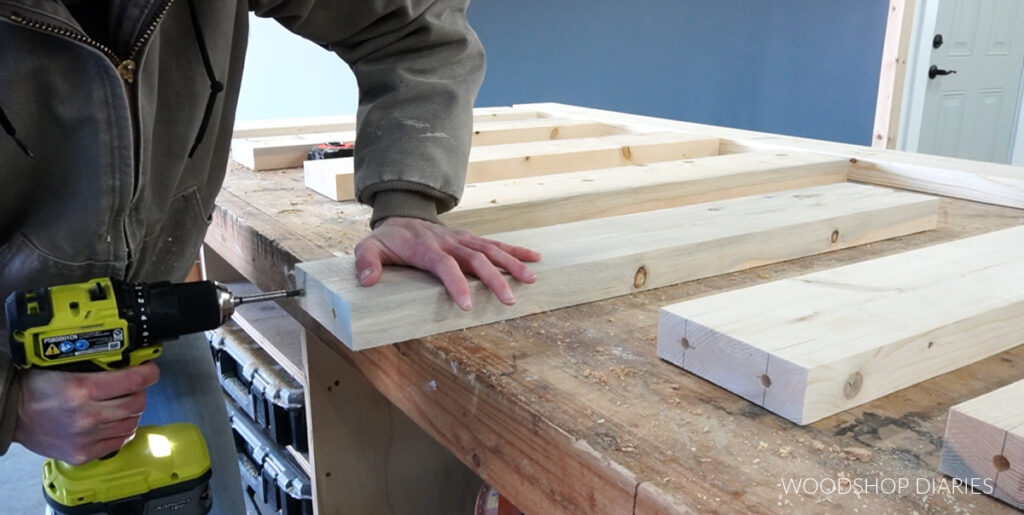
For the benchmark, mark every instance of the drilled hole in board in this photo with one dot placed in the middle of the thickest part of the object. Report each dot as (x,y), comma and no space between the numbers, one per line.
(1001,463)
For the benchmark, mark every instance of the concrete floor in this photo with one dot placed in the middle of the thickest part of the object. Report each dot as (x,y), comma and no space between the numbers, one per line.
(21,481)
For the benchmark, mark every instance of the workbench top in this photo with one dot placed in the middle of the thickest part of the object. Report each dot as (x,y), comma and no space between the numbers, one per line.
(572,410)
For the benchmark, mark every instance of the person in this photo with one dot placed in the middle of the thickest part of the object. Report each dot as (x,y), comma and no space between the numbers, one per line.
(116,120)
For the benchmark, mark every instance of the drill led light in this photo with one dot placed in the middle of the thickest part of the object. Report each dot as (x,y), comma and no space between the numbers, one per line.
(159,445)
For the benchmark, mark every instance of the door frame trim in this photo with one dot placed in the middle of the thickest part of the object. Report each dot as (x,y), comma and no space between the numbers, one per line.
(915,85)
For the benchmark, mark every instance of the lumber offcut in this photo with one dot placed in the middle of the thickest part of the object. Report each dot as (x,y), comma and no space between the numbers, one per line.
(489,207)
(984,444)
(602,258)
(812,346)
(292,126)
(334,177)
(269,153)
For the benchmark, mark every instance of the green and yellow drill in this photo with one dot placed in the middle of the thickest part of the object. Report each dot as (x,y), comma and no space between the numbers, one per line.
(105,324)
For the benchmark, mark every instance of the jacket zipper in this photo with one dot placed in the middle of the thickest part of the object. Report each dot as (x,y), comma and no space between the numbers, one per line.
(125,67)
(125,70)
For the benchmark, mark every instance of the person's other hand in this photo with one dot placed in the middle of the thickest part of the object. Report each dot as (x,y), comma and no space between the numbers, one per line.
(78,417)
(447,253)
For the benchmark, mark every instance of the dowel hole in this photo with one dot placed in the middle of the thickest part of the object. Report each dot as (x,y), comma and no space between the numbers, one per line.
(931,344)
(766,381)
(476,460)
(685,343)
(1001,463)
(640,278)
(835,236)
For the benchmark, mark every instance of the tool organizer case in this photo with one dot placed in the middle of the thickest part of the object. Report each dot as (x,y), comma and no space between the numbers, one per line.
(275,483)
(263,389)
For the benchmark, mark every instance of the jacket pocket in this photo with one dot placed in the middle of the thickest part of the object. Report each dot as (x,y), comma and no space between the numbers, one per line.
(171,247)
(25,265)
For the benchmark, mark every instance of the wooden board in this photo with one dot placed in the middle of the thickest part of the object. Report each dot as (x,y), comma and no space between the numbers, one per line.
(984,444)
(269,153)
(344,123)
(893,73)
(334,177)
(812,346)
(282,151)
(997,184)
(522,131)
(489,207)
(597,259)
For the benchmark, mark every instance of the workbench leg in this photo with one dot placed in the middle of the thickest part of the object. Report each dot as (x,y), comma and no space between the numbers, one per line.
(366,455)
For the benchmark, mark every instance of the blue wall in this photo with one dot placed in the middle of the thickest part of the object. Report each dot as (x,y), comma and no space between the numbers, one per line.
(800,67)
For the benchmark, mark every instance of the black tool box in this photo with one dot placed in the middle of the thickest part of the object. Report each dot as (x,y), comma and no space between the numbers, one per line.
(263,389)
(272,479)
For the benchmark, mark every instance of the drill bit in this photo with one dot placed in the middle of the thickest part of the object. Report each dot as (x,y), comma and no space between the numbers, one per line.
(261,297)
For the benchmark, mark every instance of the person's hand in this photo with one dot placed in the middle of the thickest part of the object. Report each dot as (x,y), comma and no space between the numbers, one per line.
(447,253)
(78,417)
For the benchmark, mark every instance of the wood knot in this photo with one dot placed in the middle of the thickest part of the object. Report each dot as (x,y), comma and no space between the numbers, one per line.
(852,386)
(685,343)
(640,278)
(627,153)
(766,381)
(554,133)
(476,460)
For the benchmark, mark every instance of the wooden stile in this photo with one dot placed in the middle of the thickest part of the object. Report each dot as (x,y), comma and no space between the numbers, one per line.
(812,346)
(959,178)
(597,259)
(344,123)
(282,151)
(290,151)
(334,177)
(489,207)
(984,444)
(273,148)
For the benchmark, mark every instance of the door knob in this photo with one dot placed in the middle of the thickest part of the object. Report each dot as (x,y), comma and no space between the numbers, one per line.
(935,71)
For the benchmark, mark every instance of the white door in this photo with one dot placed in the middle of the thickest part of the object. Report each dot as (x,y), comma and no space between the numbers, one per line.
(972,113)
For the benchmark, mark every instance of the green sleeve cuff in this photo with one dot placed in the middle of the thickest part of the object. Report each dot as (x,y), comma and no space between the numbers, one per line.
(410,204)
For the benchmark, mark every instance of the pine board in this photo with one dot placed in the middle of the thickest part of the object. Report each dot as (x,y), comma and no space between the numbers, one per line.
(498,206)
(343,123)
(991,183)
(812,346)
(597,259)
(290,151)
(984,444)
(334,177)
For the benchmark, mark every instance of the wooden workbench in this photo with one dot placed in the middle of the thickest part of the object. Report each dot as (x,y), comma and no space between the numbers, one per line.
(572,411)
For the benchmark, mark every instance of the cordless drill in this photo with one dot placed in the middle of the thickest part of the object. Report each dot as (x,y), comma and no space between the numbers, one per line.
(106,324)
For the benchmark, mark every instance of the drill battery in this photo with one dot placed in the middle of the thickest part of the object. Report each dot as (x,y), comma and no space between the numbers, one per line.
(164,469)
